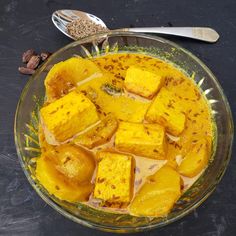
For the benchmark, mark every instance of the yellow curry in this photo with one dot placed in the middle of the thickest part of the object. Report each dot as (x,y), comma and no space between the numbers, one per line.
(122,132)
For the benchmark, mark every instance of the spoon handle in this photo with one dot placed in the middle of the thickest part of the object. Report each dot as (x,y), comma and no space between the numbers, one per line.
(201,33)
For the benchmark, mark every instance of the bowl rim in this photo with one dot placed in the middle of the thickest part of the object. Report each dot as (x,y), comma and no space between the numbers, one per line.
(106,227)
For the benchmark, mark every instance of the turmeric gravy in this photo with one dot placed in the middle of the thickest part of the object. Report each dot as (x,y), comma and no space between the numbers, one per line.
(122,132)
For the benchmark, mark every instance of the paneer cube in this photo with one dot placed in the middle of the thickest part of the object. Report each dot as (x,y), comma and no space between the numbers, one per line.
(142,139)
(196,160)
(142,82)
(67,116)
(114,178)
(165,111)
(99,134)
(158,195)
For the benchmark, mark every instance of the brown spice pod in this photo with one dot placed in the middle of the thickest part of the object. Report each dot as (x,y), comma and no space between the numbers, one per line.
(45,55)
(26,71)
(33,62)
(27,55)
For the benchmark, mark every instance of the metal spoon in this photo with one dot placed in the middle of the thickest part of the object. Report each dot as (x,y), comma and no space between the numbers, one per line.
(61,18)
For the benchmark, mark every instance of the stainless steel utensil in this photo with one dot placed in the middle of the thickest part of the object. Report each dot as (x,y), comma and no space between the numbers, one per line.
(61,18)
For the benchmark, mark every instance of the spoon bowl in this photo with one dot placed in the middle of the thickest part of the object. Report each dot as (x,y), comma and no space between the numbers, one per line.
(62,18)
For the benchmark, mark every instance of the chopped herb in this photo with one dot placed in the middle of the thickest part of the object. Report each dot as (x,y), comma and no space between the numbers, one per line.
(111,89)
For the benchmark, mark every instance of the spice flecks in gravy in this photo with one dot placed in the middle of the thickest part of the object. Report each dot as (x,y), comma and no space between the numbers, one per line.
(186,154)
(187,95)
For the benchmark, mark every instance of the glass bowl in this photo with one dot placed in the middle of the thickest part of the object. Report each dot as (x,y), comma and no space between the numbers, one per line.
(26,125)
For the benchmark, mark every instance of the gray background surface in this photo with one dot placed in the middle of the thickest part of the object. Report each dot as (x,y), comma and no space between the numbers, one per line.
(26,24)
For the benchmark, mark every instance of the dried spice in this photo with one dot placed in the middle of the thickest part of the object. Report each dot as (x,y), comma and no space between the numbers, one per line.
(45,55)
(27,55)
(26,71)
(33,62)
(81,28)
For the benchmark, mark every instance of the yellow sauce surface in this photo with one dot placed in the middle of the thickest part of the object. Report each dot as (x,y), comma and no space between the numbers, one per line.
(106,90)
(187,95)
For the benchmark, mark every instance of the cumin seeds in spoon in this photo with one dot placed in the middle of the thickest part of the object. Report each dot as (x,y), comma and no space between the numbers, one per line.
(81,28)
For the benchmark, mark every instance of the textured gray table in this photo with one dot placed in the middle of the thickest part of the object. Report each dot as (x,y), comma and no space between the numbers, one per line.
(26,24)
